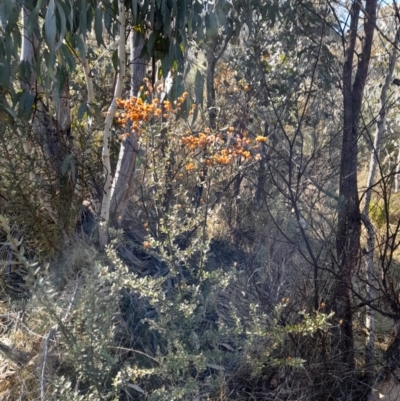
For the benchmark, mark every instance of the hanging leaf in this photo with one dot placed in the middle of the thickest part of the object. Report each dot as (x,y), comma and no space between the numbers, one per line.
(165,65)
(98,26)
(25,104)
(211,25)
(134,12)
(66,163)
(50,25)
(63,26)
(151,42)
(66,6)
(68,56)
(115,60)
(181,14)
(76,42)
(32,21)
(166,13)
(4,75)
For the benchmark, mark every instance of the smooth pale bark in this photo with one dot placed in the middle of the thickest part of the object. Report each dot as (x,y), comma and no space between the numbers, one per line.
(123,181)
(380,125)
(349,217)
(107,177)
(374,160)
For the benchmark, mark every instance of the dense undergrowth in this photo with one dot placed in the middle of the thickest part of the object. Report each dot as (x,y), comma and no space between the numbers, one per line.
(92,328)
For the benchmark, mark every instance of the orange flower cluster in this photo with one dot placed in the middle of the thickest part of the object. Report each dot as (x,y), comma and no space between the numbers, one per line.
(261,139)
(222,151)
(136,111)
(193,142)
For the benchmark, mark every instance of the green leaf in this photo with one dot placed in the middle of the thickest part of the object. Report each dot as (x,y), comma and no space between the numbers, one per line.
(25,104)
(166,13)
(134,12)
(165,65)
(181,14)
(151,42)
(98,26)
(50,25)
(152,11)
(211,25)
(66,6)
(24,71)
(221,17)
(11,12)
(77,44)
(4,74)
(32,21)
(63,27)
(115,60)
(107,21)
(66,163)
(83,15)
(68,56)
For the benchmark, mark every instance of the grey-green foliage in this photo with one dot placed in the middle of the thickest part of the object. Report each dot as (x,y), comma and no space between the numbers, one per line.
(181,344)
(62,29)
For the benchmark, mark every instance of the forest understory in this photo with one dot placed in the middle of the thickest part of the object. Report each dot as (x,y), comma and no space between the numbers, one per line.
(199,200)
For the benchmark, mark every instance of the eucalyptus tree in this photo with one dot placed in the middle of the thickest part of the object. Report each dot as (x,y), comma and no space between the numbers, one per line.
(56,45)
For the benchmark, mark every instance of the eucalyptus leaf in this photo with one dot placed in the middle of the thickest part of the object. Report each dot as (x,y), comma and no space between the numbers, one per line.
(98,26)
(4,74)
(25,104)
(115,60)
(50,25)
(63,26)
(66,163)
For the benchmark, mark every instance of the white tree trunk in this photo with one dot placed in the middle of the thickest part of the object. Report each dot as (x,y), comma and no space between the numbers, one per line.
(374,160)
(380,125)
(123,180)
(105,207)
